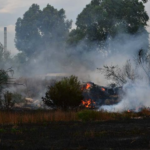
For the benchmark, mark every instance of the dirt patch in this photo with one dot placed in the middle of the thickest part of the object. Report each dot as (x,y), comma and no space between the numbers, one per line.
(111,135)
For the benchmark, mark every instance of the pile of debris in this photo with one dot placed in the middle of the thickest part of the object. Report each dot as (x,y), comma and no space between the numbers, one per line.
(95,95)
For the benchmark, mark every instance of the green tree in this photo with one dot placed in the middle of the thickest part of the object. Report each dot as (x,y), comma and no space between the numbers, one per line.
(5,58)
(27,38)
(103,19)
(20,63)
(39,29)
(64,94)
(54,26)
(8,101)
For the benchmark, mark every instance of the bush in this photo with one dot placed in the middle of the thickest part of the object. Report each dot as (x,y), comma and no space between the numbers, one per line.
(88,115)
(64,94)
(8,100)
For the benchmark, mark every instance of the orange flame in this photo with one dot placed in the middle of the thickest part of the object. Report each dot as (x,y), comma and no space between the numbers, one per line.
(103,89)
(88,85)
(88,103)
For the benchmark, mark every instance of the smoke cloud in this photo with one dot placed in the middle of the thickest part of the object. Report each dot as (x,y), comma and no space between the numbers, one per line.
(84,64)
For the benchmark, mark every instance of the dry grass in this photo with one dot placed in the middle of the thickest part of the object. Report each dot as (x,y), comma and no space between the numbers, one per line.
(9,117)
(41,116)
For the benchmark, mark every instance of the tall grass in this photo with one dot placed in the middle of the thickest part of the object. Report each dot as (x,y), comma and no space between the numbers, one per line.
(41,116)
(10,117)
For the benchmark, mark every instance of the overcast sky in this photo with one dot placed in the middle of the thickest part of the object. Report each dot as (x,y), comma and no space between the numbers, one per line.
(10,10)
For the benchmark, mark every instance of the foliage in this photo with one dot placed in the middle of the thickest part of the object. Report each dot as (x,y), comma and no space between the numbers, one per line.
(64,94)
(5,58)
(8,101)
(117,75)
(120,75)
(17,98)
(87,115)
(143,61)
(40,28)
(103,19)
(53,26)
(5,78)
(20,63)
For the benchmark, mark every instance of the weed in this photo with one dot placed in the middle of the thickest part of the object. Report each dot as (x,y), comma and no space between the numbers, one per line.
(87,115)
(2,130)
(45,117)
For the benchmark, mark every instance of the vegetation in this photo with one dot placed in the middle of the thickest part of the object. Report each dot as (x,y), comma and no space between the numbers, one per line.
(41,29)
(120,76)
(104,19)
(64,94)
(47,116)
(5,58)
(8,101)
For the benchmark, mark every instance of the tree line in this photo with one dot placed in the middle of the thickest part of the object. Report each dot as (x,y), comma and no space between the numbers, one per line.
(39,30)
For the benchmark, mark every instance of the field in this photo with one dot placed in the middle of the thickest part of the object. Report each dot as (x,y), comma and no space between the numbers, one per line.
(83,130)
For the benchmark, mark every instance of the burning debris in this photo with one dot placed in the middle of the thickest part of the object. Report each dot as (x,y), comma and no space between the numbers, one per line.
(89,103)
(95,95)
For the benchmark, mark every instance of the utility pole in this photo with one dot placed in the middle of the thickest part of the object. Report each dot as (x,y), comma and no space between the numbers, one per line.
(5,38)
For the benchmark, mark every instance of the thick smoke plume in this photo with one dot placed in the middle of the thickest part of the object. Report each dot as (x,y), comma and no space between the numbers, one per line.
(84,64)
(55,60)
(137,96)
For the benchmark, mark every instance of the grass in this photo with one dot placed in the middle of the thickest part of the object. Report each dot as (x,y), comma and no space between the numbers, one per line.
(43,116)
(10,117)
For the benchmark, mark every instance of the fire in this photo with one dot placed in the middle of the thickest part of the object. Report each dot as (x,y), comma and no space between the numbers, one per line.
(88,103)
(88,85)
(103,89)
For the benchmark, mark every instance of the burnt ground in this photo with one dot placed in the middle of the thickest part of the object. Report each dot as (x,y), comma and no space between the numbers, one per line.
(110,135)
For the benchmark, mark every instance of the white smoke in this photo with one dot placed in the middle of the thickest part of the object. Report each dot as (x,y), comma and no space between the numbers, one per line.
(137,95)
(84,64)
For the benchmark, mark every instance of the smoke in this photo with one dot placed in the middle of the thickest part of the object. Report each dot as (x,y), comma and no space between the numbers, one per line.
(135,93)
(77,61)
(84,63)
(136,96)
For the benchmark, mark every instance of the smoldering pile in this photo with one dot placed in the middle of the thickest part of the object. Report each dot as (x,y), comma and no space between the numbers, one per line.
(96,95)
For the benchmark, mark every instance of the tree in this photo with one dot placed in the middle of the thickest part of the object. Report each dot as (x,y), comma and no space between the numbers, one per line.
(5,78)
(28,38)
(8,101)
(144,62)
(129,71)
(54,26)
(119,76)
(64,94)
(103,19)
(5,58)
(39,29)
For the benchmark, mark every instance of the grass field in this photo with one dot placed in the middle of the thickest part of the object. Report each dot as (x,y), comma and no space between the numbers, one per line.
(42,116)
(74,130)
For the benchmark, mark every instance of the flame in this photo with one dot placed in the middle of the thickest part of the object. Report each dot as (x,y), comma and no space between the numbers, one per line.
(88,85)
(103,89)
(88,103)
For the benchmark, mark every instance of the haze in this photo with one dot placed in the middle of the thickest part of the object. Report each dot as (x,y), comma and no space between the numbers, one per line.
(10,10)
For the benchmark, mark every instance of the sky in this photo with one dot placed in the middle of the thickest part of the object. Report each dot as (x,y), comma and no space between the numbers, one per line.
(11,10)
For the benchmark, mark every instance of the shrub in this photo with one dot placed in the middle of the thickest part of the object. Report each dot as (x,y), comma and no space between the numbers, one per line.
(64,94)
(87,115)
(8,100)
